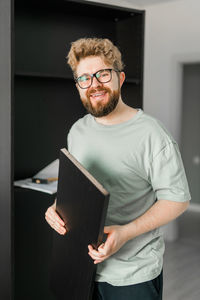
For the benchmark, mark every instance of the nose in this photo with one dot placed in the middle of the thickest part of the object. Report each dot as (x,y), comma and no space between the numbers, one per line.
(95,82)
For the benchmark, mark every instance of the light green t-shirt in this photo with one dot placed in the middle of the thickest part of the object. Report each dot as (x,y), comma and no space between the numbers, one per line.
(137,162)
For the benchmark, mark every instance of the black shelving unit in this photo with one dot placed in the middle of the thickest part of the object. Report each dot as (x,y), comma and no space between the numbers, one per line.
(46,99)
(44,105)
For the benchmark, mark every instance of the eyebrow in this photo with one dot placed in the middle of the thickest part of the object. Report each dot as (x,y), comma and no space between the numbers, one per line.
(94,72)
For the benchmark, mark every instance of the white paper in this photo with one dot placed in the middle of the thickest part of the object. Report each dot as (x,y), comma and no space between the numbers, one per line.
(49,171)
(49,188)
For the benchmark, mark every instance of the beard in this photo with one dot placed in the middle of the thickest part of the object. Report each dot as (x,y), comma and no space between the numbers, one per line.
(100,109)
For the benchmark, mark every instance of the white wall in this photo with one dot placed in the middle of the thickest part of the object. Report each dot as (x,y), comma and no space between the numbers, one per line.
(172,36)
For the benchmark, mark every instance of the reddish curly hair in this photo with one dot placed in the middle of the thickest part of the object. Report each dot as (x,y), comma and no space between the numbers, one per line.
(104,48)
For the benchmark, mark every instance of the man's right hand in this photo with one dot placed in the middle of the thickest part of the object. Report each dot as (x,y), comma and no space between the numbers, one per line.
(54,220)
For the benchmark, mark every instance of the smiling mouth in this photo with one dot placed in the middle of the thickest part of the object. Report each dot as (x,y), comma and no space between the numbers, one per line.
(98,95)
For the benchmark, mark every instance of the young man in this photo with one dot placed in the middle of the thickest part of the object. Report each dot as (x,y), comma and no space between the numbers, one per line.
(138,162)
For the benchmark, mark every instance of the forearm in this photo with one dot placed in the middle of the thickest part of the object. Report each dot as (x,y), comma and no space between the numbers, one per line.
(161,213)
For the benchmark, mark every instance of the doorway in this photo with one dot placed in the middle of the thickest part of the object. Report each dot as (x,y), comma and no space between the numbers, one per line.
(190,127)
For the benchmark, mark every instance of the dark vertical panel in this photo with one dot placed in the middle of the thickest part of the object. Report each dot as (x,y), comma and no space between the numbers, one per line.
(130,39)
(44,25)
(130,42)
(131,94)
(190,127)
(48,107)
(33,243)
(5,150)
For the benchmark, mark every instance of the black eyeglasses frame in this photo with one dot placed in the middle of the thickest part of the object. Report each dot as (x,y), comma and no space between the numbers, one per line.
(94,75)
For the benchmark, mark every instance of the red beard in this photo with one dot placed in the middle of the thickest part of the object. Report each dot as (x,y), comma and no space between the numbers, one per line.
(100,109)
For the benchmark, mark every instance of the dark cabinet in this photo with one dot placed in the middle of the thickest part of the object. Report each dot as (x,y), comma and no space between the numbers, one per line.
(46,100)
(44,104)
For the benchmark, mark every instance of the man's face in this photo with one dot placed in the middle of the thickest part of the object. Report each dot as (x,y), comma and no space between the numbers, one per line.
(100,98)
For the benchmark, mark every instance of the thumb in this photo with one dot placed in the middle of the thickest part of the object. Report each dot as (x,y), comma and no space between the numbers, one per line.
(107,229)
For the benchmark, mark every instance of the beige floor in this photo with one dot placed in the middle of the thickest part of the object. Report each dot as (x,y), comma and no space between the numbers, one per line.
(181,271)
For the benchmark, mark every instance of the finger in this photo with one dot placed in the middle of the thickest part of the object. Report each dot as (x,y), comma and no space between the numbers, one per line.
(101,246)
(56,225)
(106,248)
(51,220)
(107,229)
(52,215)
(58,219)
(94,252)
(94,256)
(59,229)
(90,247)
(97,261)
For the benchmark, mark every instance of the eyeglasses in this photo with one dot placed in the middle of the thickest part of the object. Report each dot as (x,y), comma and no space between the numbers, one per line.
(103,76)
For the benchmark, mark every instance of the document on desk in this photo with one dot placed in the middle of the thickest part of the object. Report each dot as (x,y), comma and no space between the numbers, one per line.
(48,175)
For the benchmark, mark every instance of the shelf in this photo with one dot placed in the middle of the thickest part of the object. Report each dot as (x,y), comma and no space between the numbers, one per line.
(43,75)
(79,7)
(133,80)
(66,77)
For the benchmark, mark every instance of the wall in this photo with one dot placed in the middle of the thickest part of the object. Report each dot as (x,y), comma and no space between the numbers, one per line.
(172,37)
(6,264)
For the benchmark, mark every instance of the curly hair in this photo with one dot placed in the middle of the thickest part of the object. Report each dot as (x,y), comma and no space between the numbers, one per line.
(85,47)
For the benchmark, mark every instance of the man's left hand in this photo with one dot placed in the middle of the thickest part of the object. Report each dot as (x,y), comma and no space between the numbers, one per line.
(159,214)
(116,238)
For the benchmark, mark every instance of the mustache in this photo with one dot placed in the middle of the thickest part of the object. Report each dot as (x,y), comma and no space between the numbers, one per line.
(100,89)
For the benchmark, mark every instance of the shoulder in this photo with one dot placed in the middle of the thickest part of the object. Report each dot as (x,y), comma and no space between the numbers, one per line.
(80,123)
(155,136)
(156,127)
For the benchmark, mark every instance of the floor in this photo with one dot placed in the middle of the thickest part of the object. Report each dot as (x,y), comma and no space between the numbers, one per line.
(181,271)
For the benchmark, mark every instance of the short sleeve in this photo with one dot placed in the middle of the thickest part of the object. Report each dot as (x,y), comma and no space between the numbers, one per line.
(69,142)
(168,176)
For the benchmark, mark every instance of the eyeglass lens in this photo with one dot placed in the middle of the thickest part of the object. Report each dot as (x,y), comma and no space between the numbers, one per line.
(102,76)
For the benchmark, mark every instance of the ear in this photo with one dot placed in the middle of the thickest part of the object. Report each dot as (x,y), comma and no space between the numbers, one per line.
(77,86)
(122,77)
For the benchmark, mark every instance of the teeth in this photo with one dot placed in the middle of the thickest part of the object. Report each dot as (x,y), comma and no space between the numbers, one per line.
(98,94)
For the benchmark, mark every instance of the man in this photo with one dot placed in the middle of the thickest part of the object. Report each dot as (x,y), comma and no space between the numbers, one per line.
(138,162)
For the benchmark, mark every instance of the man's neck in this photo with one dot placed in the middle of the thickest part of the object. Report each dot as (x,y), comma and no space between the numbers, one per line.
(120,114)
